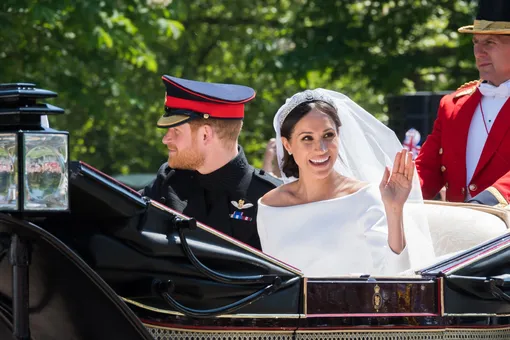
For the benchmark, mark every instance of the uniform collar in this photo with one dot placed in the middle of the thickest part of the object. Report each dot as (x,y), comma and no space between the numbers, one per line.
(228,176)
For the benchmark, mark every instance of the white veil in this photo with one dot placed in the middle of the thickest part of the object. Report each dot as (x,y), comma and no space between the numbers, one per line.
(366,147)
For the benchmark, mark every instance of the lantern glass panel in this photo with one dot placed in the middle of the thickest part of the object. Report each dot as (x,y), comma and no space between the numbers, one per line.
(46,171)
(8,171)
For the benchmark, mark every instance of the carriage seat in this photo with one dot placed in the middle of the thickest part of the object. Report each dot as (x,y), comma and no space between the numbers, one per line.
(459,226)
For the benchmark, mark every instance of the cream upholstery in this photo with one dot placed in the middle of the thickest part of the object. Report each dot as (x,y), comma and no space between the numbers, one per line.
(458,226)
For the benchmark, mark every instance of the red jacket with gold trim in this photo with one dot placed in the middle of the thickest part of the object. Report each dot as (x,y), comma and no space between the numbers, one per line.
(442,159)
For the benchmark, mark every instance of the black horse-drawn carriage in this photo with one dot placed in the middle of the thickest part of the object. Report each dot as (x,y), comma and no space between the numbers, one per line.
(90,258)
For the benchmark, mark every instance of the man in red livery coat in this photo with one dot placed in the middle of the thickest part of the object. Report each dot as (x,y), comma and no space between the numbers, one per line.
(468,151)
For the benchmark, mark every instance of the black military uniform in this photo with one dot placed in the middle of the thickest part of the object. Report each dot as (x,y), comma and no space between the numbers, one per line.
(225,199)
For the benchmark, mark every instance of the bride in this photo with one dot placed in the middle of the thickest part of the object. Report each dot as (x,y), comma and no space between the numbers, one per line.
(334,215)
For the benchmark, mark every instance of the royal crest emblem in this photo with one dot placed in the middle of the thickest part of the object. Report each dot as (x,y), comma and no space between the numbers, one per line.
(241,204)
(377,298)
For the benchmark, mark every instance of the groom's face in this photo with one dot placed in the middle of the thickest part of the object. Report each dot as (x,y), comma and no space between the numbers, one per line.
(314,144)
(183,149)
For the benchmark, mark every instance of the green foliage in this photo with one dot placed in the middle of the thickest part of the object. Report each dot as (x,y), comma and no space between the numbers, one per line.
(106,58)
(103,62)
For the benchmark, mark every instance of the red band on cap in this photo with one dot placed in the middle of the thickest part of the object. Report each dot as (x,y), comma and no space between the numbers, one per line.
(214,109)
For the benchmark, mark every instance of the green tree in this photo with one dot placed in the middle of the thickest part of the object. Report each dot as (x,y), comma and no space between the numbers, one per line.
(105,60)
(101,57)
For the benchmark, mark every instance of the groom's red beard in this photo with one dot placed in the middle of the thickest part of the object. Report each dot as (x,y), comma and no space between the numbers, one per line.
(186,159)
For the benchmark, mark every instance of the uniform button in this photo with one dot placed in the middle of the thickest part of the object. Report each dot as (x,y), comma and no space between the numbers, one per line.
(443,168)
(473,187)
(463,190)
(162,199)
(440,151)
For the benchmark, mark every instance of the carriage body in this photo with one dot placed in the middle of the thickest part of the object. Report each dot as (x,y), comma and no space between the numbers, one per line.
(182,280)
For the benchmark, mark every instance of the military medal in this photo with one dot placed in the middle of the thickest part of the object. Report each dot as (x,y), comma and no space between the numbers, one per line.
(239,215)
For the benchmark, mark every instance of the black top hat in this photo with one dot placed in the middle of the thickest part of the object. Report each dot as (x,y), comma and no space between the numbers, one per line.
(493,18)
(188,99)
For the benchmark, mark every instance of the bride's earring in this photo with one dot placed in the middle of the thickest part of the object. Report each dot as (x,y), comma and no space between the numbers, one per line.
(290,153)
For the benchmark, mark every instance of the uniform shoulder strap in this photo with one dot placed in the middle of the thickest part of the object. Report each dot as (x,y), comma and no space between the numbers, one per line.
(268,178)
(467,88)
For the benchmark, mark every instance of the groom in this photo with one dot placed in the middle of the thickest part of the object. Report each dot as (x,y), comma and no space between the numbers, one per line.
(468,151)
(207,175)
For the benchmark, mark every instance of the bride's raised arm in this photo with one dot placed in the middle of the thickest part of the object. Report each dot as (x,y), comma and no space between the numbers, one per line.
(395,188)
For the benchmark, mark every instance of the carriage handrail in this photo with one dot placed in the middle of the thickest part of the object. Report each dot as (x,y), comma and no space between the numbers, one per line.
(183,224)
(163,289)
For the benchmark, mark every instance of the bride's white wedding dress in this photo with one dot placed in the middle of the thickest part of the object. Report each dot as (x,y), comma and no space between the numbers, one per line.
(345,235)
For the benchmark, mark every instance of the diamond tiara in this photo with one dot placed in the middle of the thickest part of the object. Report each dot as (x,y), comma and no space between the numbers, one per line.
(300,98)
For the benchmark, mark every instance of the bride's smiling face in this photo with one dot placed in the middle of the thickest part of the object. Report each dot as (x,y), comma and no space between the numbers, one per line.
(314,144)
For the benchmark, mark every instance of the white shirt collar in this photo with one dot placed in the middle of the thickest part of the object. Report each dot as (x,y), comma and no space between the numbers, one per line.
(501,91)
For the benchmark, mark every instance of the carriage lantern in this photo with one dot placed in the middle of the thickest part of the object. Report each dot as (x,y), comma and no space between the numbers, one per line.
(34,169)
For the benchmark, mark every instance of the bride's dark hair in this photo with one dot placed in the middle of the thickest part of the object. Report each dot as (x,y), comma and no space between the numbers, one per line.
(290,168)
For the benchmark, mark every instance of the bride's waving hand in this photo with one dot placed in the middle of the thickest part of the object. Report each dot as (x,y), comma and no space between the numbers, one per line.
(396,186)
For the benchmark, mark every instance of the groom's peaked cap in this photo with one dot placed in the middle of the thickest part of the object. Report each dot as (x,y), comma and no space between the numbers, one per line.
(186,100)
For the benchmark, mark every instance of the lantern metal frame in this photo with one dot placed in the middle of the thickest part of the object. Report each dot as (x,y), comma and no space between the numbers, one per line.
(23,116)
